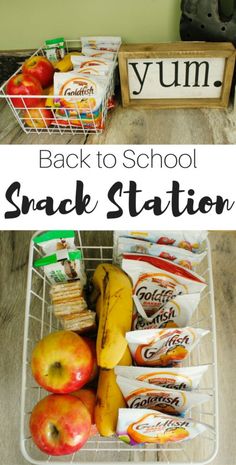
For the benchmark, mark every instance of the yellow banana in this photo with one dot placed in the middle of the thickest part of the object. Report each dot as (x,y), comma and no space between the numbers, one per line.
(65,64)
(114,309)
(109,398)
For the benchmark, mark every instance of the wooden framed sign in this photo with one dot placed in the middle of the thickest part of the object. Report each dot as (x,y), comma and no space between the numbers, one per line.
(176,75)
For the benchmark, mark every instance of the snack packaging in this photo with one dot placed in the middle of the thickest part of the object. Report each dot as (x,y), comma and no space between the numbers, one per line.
(98,53)
(105,43)
(81,62)
(145,426)
(64,265)
(138,394)
(66,293)
(163,347)
(78,92)
(189,240)
(176,313)
(157,281)
(177,255)
(79,322)
(55,49)
(70,307)
(184,378)
(51,241)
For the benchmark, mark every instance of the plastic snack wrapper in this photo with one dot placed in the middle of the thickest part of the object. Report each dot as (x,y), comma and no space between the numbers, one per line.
(80,62)
(51,241)
(145,426)
(63,266)
(138,394)
(157,281)
(184,379)
(78,92)
(189,240)
(105,43)
(163,347)
(55,49)
(177,255)
(176,313)
(98,53)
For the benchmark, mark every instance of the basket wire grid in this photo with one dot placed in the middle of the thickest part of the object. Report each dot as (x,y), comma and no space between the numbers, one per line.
(39,321)
(39,123)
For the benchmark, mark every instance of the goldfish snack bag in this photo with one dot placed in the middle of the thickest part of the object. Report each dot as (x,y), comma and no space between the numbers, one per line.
(104,43)
(192,241)
(98,53)
(145,426)
(185,378)
(176,313)
(157,281)
(81,62)
(163,347)
(138,394)
(178,255)
(78,92)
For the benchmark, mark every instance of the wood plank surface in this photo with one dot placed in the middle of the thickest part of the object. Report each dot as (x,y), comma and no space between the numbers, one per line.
(13,276)
(136,126)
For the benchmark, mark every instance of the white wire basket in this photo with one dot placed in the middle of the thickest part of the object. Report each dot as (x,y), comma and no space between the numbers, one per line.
(59,120)
(39,322)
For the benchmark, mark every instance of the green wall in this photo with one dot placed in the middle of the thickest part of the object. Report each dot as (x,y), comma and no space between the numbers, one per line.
(27,23)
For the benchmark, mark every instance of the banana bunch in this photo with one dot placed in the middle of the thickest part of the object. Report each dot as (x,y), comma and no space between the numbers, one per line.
(65,64)
(114,308)
(109,398)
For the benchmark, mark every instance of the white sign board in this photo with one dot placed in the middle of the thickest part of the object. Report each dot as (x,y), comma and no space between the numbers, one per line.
(175,78)
(175,75)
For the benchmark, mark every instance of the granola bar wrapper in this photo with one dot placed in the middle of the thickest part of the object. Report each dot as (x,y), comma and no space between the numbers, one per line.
(63,266)
(184,378)
(192,241)
(138,394)
(145,426)
(178,255)
(50,241)
(163,347)
(176,313)
(157,281)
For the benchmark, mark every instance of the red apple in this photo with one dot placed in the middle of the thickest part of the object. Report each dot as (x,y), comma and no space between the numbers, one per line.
(23,85)
(40,117)
(92,345)
(88,397)
(60,425)
(40,68)
(62,362)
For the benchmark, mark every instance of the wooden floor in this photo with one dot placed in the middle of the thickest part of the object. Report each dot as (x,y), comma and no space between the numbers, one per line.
(14,256)
(129,126)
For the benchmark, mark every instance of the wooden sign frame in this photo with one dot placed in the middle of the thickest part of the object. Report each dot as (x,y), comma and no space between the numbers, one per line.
(177,50)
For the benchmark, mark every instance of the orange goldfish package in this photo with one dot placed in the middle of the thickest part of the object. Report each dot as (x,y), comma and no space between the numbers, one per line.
(184,378)
(143,426)
(138,394)
(157,281)
(176,313)
(163,347)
